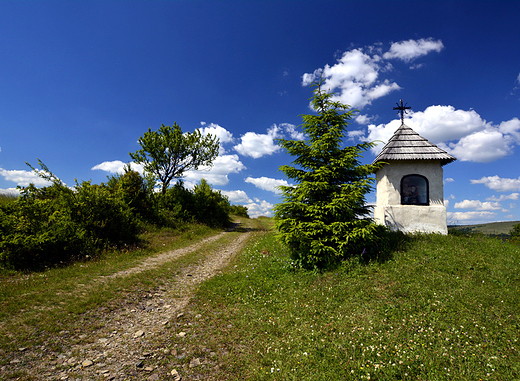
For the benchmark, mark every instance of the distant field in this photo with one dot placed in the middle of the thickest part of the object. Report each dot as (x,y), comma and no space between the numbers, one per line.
(492,228)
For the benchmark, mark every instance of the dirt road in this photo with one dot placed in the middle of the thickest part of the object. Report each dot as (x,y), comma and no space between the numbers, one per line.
(130,339)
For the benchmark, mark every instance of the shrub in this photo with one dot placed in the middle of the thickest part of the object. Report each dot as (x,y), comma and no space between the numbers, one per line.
(210,206)
(238,210)
(55,224)
(515,232)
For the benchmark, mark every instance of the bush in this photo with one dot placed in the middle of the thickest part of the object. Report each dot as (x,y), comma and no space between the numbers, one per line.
(238,210)
(210,207)
(55,224)
(515,232)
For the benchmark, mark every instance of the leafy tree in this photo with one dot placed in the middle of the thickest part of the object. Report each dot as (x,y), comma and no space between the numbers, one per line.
(324,217)
(210,206)
(515,232)
(167,153)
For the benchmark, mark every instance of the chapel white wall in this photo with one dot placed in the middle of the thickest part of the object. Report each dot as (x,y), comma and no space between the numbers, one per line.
(410,218)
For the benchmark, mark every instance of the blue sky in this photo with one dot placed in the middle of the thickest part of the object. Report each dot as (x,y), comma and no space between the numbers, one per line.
(80,81)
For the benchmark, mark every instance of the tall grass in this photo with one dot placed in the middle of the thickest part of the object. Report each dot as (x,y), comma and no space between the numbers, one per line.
(442,308)
(7,198)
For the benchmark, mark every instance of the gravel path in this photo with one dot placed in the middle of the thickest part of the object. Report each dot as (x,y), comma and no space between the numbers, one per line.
(131,340)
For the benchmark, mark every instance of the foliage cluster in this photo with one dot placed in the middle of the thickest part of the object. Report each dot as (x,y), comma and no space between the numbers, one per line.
(324,217)
(515,232)
(56,224)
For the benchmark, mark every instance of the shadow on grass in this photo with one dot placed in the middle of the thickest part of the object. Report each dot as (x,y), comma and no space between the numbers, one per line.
(384,248)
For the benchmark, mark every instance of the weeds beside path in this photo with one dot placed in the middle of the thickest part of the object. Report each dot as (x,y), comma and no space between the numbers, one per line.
(126,335)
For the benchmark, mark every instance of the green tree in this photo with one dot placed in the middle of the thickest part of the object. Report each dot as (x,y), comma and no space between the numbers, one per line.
(515,232)
(324,217)
(167,153)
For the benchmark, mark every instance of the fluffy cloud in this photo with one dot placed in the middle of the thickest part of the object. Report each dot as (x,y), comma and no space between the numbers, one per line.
(214,129)
(478,205)
(257,145)
(470,217)
(356,75)
(217,174)
(462,133)
(237,196)
(412,49)
(503,197)
(267,183)
(10,191)
(259,208)
(23,178)
(499,184)
(116,166)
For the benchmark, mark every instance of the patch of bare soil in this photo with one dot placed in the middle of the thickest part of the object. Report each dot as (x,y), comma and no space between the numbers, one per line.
(131,337)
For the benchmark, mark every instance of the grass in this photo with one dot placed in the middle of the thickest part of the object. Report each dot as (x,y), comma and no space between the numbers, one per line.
(443,308)
(30,304)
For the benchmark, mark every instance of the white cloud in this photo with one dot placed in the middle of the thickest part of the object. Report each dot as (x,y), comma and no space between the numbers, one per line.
(355,134)
(412,49)
(10,191)
(499,184)
(237,196)
(470,217)
(446,203)
(267,183)
(217,174)
(478,205)
(258,145)
(503,197)
(518,78)
(481,147)
(291,130)
(364,119)
(259,208)
(449,180)
(214,129)
(23,178)
(462,133)
(116,166)
(355,78)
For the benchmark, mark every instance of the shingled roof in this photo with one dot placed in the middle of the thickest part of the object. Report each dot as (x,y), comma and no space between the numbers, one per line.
(406,144)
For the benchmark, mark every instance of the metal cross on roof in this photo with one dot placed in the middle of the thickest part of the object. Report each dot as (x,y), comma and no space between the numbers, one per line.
(402,109)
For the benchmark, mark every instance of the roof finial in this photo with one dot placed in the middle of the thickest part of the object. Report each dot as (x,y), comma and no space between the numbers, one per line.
(402,109)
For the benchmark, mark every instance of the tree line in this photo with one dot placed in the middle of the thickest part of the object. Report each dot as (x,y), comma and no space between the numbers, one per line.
(58,224)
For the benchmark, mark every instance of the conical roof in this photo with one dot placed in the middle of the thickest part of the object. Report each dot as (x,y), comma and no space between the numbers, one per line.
(406,144)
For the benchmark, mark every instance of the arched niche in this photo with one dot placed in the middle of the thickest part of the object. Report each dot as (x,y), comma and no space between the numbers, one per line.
(415,190)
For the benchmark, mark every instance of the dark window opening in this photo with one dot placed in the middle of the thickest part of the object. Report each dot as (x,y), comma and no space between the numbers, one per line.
(414,190)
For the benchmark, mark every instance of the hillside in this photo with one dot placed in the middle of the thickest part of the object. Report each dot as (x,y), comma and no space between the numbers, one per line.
(492,228)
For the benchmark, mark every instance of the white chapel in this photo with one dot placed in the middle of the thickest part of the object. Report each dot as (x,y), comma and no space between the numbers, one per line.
(410,195)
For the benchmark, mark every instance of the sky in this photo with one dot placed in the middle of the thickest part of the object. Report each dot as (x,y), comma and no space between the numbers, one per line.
(81,81)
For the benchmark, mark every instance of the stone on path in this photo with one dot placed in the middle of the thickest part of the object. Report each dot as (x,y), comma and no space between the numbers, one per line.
(139,333)
(87,363)
(176,375)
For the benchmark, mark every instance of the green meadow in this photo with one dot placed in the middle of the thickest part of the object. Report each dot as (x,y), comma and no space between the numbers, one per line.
(441,308)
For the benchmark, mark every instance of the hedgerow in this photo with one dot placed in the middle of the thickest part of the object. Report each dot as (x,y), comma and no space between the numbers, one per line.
(57,224)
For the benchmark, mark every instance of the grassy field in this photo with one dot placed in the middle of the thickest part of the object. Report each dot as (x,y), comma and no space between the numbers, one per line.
(442,308)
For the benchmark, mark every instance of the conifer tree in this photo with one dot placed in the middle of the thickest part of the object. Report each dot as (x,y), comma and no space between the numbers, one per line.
(324,217)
